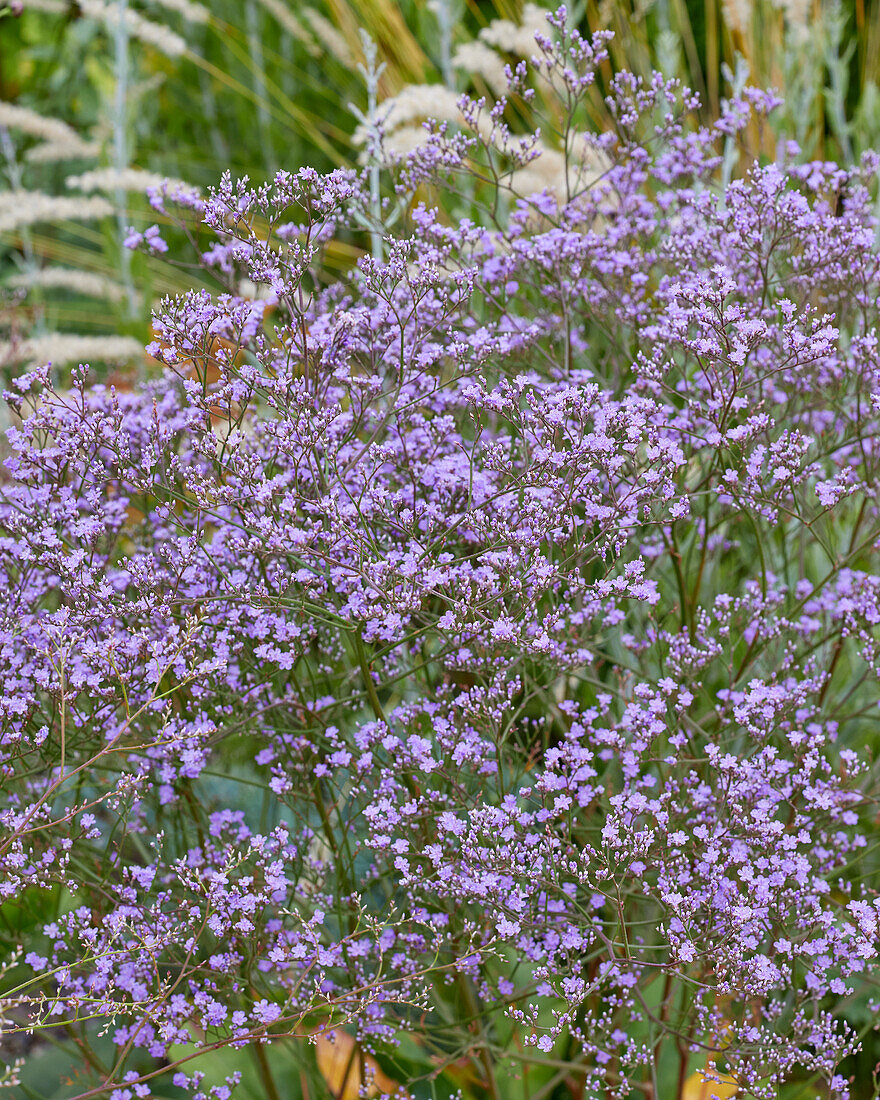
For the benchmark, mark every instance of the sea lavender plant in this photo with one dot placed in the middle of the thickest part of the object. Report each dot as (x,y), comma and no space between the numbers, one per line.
(527,575)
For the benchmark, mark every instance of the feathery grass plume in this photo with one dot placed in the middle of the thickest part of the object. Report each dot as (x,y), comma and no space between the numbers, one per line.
(15,182)
(50,152)
(798,17)
(285,18)
(21,208)
(477,60)
(126,179)
(192,12)
(403,141)
(145,30)
(419,101)
(70,347)
(516,38)
(738,15)
(330,38)
(89,283)
(396,130)
(34,124)
(59,141)
(255,292)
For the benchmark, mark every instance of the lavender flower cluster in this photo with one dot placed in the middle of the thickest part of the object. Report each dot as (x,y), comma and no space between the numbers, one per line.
(524,580)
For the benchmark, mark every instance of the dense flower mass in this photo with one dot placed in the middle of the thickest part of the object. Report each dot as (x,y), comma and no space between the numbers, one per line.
(479,644)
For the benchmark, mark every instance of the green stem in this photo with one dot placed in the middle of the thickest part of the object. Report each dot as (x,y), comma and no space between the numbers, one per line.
(265,1071)
(367,675)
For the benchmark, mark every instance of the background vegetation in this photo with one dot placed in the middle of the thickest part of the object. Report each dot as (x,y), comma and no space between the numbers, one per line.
(186,89)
